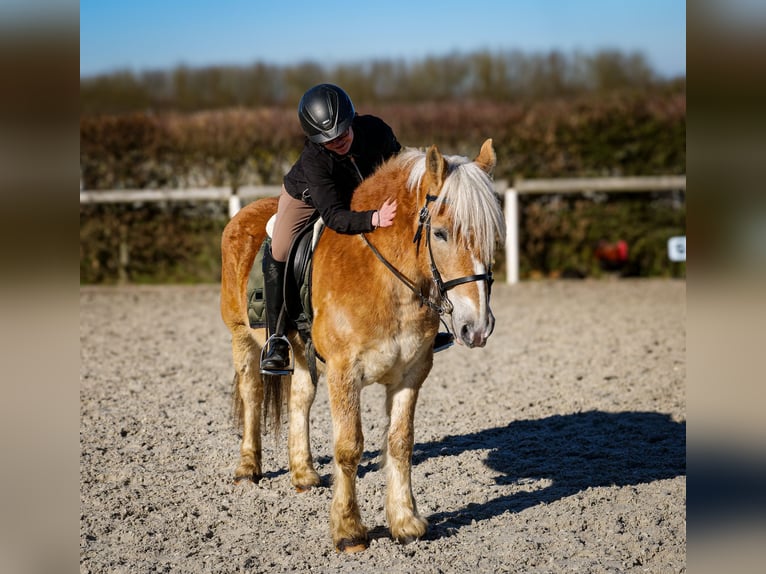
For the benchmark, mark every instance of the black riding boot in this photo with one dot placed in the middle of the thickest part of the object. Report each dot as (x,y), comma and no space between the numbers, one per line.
(277,356)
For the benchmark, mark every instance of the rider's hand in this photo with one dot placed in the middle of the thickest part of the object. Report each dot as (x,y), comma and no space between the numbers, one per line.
(384,217)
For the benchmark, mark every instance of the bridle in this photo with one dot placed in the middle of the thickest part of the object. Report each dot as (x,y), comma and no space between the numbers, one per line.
(442,305)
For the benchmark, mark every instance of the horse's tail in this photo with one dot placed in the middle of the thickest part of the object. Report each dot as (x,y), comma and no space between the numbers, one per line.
(240,242)
(276,392)
(237,410)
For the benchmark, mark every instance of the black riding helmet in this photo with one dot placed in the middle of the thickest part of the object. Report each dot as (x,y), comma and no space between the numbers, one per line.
(325,112)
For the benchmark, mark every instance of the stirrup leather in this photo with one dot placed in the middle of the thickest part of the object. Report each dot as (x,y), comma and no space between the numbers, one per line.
(290,367)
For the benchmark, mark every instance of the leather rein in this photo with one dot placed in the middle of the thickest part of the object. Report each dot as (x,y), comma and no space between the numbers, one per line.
(442,305)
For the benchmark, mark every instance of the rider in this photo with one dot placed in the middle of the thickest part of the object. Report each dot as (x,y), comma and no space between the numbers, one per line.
(341,149)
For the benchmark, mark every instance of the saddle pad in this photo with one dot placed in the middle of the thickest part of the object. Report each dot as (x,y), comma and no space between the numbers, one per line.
(270,225)
(256,303)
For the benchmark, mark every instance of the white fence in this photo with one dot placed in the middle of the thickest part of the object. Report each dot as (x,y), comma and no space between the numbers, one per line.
(190,194)
(562,186)
(511,196)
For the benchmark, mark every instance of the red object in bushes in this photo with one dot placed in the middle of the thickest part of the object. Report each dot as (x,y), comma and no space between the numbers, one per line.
(612,254)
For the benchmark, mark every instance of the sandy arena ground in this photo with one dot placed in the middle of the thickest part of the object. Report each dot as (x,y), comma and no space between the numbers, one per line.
(559,447)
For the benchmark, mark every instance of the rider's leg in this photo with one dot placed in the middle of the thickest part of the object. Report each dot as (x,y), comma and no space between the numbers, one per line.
(277,357)
(292,215)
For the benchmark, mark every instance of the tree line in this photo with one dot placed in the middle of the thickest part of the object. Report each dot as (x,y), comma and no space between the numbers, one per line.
(478,76)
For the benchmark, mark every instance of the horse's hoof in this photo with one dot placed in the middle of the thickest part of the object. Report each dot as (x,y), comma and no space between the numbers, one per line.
(352,545)
(411,531)
(305,481)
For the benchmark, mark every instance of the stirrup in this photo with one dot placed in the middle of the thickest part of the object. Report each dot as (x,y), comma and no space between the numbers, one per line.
(443,341)
(290,367)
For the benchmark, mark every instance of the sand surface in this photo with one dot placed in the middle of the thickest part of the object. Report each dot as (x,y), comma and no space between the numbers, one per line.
(559,447)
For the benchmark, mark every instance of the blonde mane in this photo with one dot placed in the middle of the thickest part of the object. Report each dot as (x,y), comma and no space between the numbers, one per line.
(469,196)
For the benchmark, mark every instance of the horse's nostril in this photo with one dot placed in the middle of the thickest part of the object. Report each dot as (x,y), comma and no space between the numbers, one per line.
(468,335)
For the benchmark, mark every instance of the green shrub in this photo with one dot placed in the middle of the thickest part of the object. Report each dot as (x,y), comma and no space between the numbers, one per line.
(172,243)
(628,134)
(558,235)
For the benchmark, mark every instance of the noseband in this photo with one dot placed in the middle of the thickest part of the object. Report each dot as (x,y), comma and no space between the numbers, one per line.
(442,305)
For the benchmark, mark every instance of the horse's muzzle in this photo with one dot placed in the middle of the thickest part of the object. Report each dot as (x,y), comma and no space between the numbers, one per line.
(472,335)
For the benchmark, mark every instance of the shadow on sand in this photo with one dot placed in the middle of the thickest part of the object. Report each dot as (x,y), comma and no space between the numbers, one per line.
(574,452)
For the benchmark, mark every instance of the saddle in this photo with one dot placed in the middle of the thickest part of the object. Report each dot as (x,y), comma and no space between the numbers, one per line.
(297,282)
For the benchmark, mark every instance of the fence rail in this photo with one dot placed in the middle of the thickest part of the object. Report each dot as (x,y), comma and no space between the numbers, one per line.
(510,194)
(611,184)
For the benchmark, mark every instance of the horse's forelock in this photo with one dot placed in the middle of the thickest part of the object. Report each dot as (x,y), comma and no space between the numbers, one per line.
(469,195)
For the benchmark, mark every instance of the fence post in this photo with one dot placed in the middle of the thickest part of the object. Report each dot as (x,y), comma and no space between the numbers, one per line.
(234,203)
(123,256)
(512,235)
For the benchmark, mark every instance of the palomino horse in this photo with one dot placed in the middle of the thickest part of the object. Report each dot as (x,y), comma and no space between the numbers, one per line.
(378,299)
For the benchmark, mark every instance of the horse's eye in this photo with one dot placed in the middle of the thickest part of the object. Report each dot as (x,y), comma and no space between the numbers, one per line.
(441,234)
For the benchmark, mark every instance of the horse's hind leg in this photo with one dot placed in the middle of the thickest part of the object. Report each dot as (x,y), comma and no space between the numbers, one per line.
(248,401)
(401,511)
(302,393)
(348,532)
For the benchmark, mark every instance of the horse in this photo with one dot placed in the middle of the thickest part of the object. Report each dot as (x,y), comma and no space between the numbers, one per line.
(378,300)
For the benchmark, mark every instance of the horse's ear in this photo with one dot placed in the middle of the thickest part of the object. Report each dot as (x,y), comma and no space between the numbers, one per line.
(486,159)
(436,167)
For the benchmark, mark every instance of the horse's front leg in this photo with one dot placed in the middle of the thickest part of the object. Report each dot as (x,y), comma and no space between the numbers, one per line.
(401,511)
(348,532)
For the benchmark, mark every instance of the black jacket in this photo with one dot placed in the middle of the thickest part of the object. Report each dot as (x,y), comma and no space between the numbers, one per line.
(327,181)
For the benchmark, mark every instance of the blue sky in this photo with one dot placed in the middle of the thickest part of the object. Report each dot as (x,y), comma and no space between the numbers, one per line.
(141,35)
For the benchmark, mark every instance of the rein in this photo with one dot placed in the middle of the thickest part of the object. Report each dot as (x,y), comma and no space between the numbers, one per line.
(443,305)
